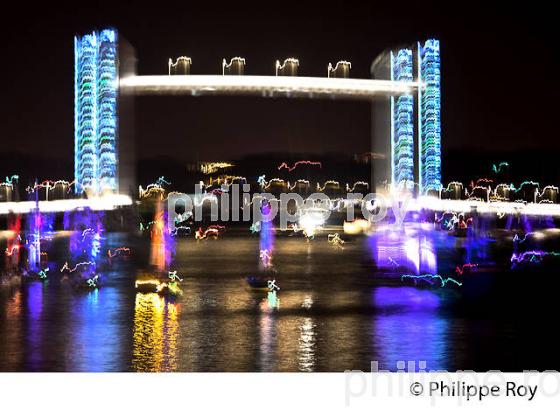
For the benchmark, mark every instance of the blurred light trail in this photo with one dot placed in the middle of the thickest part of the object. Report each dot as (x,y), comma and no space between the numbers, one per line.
(267,86)
(290,169)
(429,277)
(442,205)
(104,203)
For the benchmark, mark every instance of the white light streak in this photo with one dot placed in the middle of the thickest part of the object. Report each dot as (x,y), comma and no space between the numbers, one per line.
(268,86)
(442,205)
(104,203)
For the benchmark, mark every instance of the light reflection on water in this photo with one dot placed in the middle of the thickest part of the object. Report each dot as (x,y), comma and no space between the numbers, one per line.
(408,327)
(334,312)
(35,324)
(407,248)
(155,334)
(11,331)
(306,351)
(162,243)
(94,341)
(267,331)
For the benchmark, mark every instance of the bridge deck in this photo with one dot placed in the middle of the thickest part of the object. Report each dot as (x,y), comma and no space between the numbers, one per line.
(265,86)
(424,202)
(498,208)
(97,204)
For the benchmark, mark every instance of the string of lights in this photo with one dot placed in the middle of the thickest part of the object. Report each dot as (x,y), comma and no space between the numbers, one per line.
(428,277)
(330,183)
(66,266)
(532,257)
(11,179)
(500,167)
(335,240)
(50,185)
(296,164)
(122,252)
(43,274)
(467,267)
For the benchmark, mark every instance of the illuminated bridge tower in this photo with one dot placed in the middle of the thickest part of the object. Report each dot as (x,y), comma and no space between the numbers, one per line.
(97,108)
(429,127)
(402,163)
(85,115)
(402,124)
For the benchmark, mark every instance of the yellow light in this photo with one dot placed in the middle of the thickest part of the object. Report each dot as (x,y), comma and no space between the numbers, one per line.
(356,227)
(154,284)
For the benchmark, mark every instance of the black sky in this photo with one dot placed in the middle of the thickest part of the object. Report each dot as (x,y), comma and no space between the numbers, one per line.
(499,73)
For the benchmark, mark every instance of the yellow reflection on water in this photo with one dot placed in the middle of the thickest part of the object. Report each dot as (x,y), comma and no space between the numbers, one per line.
(13,307)
(159,251)
(155,334)
(12,332)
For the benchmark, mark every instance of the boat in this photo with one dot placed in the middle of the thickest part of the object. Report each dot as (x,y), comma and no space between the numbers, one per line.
(86,284)
(259,283)
(170,288)
(148,286)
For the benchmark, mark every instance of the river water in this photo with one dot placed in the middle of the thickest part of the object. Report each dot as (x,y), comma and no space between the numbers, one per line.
(337,309)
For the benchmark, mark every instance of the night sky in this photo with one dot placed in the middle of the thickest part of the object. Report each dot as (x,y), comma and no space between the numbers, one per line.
(499,74)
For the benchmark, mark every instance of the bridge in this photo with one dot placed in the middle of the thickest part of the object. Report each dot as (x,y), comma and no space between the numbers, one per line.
(426,203)
(405,93)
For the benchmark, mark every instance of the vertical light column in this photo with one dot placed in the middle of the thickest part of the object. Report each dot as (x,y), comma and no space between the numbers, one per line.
(85,116)
(107,111)
(402,124)
(430,116)
(95,112)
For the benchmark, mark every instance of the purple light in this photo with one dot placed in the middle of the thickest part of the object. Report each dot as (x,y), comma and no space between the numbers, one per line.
(409,298)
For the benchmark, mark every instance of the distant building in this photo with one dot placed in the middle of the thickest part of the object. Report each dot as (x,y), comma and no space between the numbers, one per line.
(6,191)
(287,69)
(236,66)
(181,67)
(549,194)
(504,192)
(527,192)
(208,167)
(60,190)
(479,193)
(340,70)
(301,186)
(276,186)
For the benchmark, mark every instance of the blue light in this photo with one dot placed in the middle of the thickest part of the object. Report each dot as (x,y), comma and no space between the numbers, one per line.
(410,326)
(430,116)
(85,69)
(107,111)
(95,111)
(402,124)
